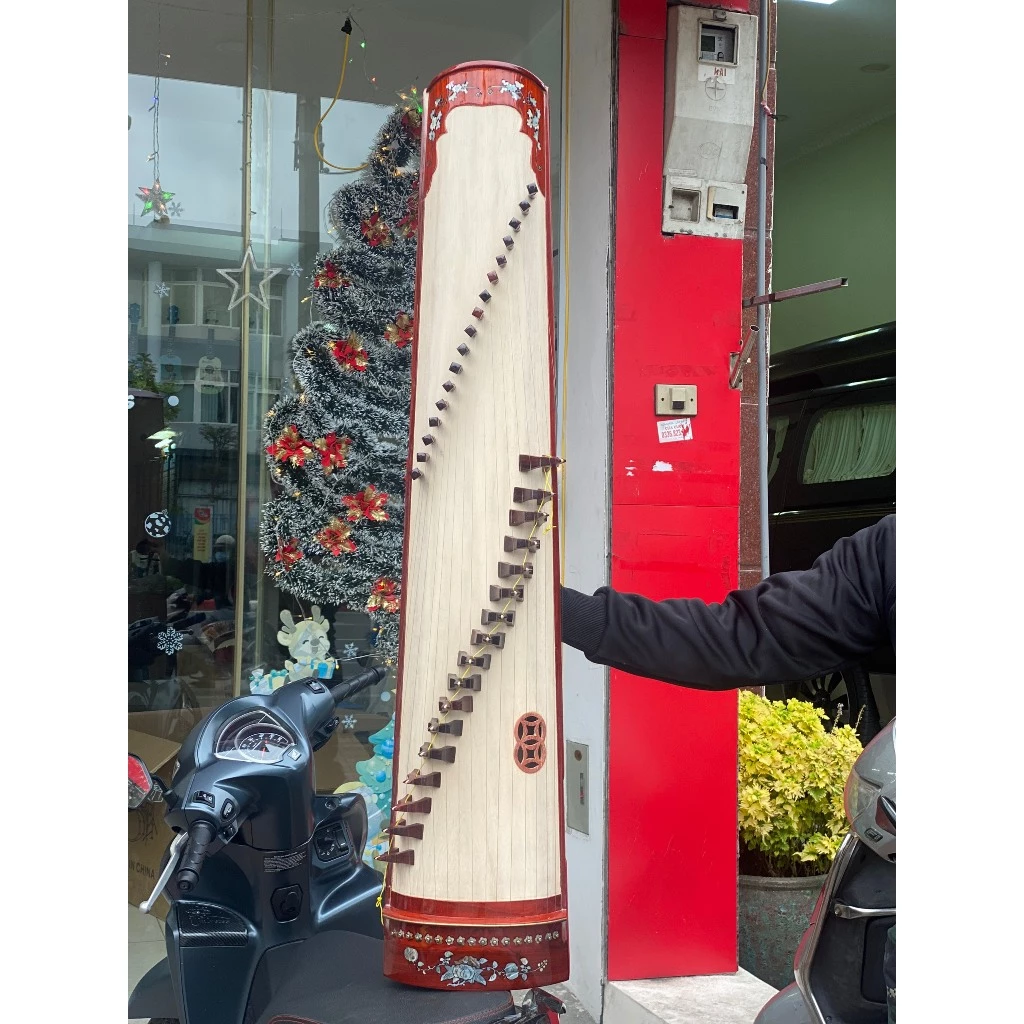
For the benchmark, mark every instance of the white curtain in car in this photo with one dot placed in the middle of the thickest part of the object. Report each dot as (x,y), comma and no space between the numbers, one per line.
(854,443)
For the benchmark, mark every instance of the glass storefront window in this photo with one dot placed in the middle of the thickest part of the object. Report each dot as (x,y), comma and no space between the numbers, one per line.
(224,106)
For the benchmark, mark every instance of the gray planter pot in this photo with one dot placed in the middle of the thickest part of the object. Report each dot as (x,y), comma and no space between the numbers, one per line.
(773,913)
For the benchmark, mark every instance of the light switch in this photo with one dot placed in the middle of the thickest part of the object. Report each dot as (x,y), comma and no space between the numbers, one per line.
(577,787)
(675,399)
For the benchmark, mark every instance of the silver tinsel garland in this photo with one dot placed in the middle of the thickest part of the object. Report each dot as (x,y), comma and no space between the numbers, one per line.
(368,408)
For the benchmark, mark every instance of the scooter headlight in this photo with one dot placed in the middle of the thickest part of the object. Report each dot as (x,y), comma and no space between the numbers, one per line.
(858,796)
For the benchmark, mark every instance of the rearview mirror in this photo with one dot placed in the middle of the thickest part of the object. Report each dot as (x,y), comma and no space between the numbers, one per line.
(140,782)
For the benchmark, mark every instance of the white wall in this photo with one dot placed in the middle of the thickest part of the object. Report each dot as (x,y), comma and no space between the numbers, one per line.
(835,216)
(585,263)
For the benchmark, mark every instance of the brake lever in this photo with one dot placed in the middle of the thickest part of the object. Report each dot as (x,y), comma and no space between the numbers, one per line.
(165,876)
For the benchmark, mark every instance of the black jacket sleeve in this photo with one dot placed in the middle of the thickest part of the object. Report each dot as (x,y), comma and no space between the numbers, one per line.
(791,626)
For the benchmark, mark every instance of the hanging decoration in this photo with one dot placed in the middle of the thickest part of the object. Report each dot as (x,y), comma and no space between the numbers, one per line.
(384,596)
(350,352)
(236,280)
(367,504)
(155,198)
(158,524)
(399,331)
(330,277)
(288,552)
(336,537)
(290,446)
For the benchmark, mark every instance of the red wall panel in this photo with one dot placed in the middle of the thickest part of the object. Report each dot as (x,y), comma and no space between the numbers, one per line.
(672,751)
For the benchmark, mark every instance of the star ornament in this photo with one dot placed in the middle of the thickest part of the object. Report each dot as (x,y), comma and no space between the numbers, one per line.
(155,199)
(235,279)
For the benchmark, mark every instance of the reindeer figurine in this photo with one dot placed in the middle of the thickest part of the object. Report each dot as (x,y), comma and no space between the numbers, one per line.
(308,644)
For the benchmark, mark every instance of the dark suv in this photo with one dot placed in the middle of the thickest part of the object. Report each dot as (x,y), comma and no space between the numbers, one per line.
(831,472)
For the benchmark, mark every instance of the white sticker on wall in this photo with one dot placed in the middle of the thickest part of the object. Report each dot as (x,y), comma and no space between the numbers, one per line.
(675,430)
(662,467)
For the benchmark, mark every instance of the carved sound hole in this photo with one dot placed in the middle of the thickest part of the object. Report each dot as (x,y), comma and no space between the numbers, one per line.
(531,750)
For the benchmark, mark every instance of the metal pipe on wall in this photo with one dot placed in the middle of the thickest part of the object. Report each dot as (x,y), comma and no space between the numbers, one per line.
(763,26)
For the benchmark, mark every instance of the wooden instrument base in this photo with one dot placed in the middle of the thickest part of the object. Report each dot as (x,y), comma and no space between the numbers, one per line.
(518,955)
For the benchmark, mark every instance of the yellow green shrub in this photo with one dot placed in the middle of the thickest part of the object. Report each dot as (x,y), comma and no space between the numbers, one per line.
(792,772)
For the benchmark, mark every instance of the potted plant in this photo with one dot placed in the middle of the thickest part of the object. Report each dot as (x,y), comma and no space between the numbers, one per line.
(792,772)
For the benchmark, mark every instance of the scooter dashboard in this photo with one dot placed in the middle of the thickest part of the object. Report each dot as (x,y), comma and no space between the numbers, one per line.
(256,737)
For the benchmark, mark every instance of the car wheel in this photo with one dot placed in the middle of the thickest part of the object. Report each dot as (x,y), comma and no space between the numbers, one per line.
(846,698)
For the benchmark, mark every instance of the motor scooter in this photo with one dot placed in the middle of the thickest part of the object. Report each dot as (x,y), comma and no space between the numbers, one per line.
(840,963)
(273,915)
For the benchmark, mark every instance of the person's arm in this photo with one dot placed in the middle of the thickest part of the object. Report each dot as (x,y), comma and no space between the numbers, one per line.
(791,626)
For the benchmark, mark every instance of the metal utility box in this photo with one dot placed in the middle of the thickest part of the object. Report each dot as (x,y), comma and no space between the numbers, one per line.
(710,86)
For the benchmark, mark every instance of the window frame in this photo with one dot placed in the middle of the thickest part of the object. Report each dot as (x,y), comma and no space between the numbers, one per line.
(844,492)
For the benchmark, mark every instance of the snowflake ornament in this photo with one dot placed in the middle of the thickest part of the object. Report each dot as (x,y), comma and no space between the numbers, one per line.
(170,641)
(175,209)
(348,722)
(351,651)
(162,290)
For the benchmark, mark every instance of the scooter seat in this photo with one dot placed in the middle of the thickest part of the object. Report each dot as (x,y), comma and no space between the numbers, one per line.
(336,978)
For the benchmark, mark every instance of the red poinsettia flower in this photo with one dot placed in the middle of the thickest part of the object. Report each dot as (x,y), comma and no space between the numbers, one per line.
(336,537)
(384,596)
(411,121)
(333,452)
(350,352)
(288,552)
(376,231)
(399,332)
(367,504)
(331,276)
(290,446)
(408,225)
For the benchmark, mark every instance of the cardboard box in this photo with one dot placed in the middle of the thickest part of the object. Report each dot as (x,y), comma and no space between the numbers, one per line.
(156,737)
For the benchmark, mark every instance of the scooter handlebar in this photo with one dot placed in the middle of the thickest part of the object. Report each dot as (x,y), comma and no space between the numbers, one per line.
(343,691)
(200,835)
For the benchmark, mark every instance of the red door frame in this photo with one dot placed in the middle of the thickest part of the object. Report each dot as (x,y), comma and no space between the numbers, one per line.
(675,533)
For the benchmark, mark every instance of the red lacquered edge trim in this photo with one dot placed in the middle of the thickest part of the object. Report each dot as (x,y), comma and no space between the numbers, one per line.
(482,86)
(409,463)
(556,533)
(474,910)
(475,956)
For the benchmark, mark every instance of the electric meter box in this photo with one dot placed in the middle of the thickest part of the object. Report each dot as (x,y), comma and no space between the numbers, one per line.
(710,84)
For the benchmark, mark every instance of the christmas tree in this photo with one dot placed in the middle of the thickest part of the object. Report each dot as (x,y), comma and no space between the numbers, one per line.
(336,441)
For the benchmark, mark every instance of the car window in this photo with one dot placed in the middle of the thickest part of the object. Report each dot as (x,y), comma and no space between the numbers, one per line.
(778,427)
(855,442)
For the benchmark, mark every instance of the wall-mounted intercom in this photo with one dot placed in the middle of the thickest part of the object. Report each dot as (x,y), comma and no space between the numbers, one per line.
(710,83)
